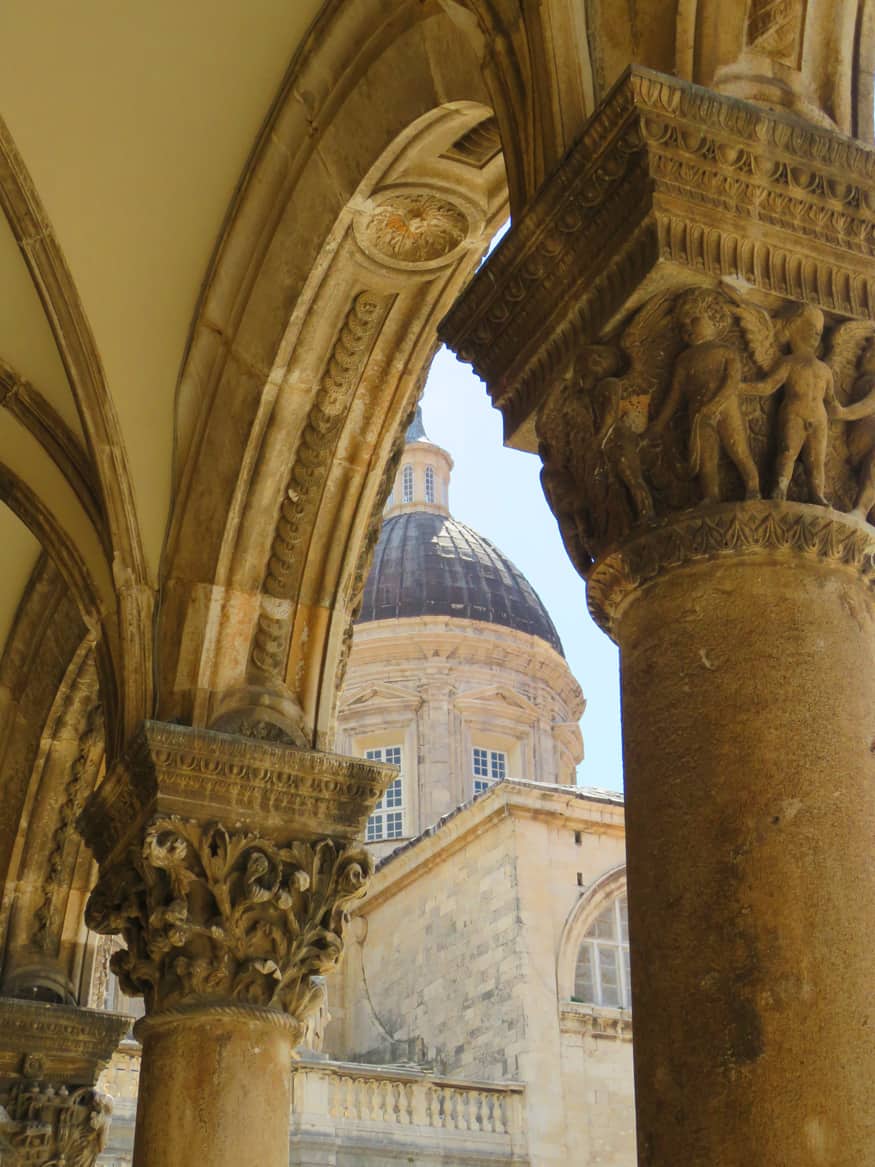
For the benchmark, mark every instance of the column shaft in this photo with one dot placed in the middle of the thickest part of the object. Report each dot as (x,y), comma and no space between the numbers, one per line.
(749,721)
(216,1089)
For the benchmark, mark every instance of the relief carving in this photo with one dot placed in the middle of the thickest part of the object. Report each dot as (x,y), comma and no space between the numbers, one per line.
(344,367)
(774,27)
(411,228)
(45,1126)
(218,915)
(667,176)
(861,431)
(707,375)
(703,398)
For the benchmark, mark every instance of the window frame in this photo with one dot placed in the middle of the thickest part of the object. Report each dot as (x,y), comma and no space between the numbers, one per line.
(386,822)
(488,766)
(617,944)
(408,484)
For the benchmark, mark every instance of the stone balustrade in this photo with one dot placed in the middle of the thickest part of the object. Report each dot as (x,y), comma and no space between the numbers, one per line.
(369,1108)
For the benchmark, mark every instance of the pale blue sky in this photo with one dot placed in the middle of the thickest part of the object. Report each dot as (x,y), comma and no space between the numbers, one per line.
(497,492)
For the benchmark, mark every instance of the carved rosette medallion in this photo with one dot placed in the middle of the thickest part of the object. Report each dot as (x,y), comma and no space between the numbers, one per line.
(227,865)
(410,230)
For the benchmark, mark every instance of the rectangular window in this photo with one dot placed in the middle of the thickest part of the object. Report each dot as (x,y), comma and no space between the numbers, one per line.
(387,821)
(488,766)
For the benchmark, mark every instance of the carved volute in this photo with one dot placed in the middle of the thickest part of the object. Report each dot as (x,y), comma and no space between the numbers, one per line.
(697,374)
(226,866)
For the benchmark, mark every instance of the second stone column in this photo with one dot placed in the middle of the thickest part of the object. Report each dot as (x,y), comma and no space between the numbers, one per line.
(226,864)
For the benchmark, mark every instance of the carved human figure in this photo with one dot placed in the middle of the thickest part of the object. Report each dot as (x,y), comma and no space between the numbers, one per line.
(619,444)
(566,443)
(707,376)
(861,432)
(808,401)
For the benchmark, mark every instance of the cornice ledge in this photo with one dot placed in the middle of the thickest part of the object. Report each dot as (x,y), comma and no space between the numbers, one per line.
(178,770)
(61,1042)
(595,1021)
(665,173)
(736,529)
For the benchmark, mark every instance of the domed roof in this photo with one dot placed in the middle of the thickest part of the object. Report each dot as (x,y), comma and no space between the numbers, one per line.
(428,564)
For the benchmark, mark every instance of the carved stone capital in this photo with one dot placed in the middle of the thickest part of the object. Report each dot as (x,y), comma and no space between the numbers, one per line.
(50,1057)
(750,529)
(683,318)
(668,183)
(227,865)
(213,915)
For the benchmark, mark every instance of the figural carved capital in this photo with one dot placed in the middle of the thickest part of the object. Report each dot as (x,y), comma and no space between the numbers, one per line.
(50,1057)
(681,325)
(227,866)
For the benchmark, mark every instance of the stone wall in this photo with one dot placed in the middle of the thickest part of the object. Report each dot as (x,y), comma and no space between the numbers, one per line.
(463,958)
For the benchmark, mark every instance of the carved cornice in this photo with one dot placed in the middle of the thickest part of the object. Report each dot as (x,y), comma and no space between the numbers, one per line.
(217,916)
(172,769)
(595,1021)
(61,1043)
(736,529)
(666,178)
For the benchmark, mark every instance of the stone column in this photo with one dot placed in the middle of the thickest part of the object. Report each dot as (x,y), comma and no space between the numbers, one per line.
(680,323)
(226,864)
(50,1059)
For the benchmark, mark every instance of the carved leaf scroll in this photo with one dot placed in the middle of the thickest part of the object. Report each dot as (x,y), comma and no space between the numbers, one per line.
(212,914)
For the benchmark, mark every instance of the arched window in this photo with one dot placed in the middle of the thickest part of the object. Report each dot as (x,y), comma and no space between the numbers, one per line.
(407,484)
(429,484)
(601,975)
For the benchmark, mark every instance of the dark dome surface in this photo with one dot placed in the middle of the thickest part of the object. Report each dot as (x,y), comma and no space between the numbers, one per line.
(428,564)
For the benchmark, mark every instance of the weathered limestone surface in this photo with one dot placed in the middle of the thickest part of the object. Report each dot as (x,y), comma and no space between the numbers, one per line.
(681,325)
(463,955)
(226,865)
(751,876)
(50,1058)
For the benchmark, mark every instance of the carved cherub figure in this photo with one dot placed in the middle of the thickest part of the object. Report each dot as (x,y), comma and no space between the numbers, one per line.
(861,433)
(807,404)
(619,444)
(590,455)
(707,376)
(566,432)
